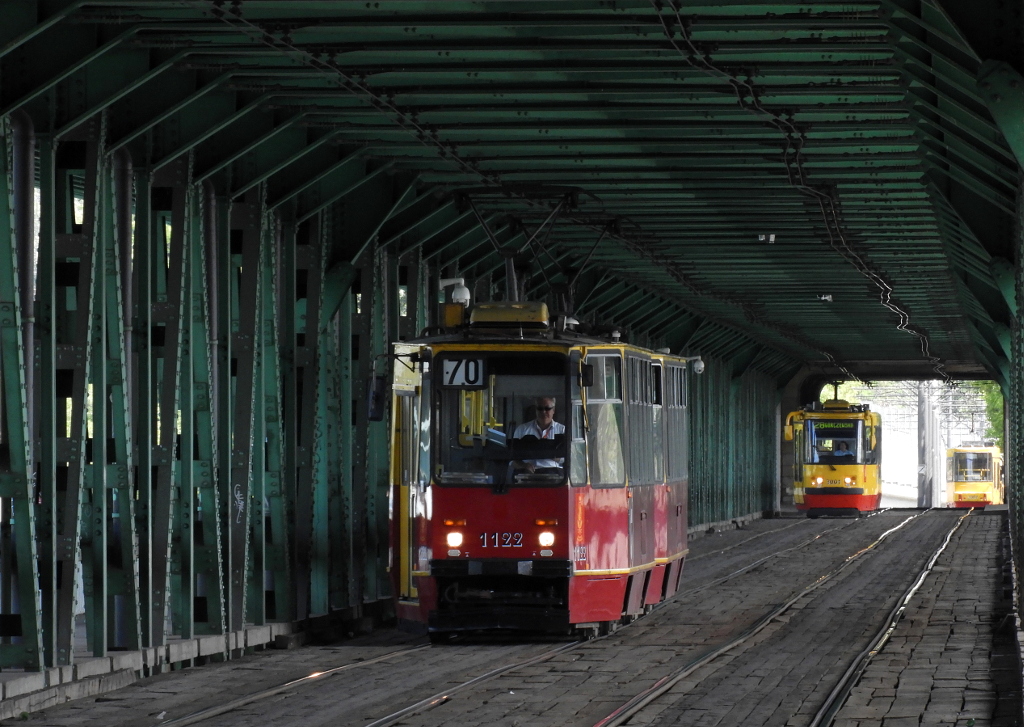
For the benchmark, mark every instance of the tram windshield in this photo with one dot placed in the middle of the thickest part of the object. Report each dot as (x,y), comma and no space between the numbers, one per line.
(501,419)
(972,467)
(836,441)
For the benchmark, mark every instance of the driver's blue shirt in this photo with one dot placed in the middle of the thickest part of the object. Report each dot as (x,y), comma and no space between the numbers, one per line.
(531,427)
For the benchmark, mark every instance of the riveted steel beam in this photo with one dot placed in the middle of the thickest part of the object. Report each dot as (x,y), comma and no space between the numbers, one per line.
(170,299)
(247,241)
(208,610)
(22,614)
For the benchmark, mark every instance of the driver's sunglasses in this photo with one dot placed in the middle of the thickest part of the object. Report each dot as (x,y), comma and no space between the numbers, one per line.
(545,408)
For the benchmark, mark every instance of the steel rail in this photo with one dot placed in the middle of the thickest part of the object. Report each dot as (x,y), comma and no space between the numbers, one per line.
(234,704)
(751,566)
(827,713)
(635,705)
(442,697)
(802,521)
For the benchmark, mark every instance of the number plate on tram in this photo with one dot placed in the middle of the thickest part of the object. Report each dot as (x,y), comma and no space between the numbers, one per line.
(463,372)
(501,540)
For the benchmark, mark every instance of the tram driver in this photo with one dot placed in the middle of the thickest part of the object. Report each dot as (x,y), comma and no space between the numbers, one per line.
(842,450)
(543,426)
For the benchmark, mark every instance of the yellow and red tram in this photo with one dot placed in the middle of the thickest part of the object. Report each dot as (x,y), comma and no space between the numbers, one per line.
(497,528)
(837,458)
(974,476)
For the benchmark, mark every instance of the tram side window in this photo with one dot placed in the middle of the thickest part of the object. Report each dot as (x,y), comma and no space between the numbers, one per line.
(640,421)
(871,453)
(578,431)
(604,411)
(659,423)
(675,422)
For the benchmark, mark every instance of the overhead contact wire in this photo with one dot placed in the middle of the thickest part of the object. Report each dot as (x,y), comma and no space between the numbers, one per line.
(232,17)
(795,138)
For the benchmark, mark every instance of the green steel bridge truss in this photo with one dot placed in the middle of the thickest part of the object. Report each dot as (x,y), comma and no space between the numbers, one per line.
(242,204)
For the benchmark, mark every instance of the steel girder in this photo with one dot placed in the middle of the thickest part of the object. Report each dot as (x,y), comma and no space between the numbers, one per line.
(294,169)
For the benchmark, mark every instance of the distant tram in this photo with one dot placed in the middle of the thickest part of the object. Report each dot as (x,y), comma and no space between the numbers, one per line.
(837,448)
(572,531)
(974,476)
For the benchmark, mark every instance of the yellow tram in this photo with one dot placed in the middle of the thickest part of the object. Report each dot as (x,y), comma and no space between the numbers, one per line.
(837,449)
(974,476)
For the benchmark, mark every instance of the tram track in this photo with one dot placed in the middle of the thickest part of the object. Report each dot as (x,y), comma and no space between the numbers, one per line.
(514,677)
(446,695)
(209,713)
(825,716)
(639,702)
(442,697)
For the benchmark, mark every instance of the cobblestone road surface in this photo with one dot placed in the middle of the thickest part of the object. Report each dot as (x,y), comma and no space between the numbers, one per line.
(778,677)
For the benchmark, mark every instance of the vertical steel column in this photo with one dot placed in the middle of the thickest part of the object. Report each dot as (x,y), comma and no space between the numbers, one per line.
(264,405)
(182,591)
(245,227)
(143,392)
(223,291)
(170,275)
(377,435)
(94,505)
(76,249)
(15,476)
(122,563)
(361,369)
(275,588)
(341,531)
(311,503)
(291,409)
(46,420)
(23,147)
(289,597)
(333,468)
(1015,409)
(208,609)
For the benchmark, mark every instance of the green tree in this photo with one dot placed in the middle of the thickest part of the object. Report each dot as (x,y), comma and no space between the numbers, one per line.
(993,410)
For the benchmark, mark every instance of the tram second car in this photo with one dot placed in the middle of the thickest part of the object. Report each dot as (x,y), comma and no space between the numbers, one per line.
(974,475)
(837,455)
(540,477)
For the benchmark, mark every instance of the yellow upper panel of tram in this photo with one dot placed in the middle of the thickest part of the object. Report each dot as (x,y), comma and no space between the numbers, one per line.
(532,314)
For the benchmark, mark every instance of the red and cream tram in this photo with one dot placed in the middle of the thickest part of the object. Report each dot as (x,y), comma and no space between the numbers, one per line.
(496,527)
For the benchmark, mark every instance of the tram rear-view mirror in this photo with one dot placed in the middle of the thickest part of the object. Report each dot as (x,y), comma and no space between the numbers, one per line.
(375,398)
(587,375)
(787,432)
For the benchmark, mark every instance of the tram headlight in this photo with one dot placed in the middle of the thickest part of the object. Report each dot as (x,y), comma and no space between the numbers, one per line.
(454,539)
(819,480)
(546,539)
(850,481)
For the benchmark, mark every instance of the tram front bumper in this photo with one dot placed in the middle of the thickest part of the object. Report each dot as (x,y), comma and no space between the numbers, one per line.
(506,618)
(488,594)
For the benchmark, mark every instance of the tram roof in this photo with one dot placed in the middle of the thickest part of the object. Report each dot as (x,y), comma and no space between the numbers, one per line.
(775,184)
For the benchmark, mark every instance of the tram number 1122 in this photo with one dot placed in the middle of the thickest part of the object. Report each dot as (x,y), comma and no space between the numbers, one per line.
(501,540)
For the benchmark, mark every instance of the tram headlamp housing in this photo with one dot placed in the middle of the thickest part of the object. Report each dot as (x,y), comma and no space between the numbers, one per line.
(819,480)
(454,539)
(850,481)
(546,539)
